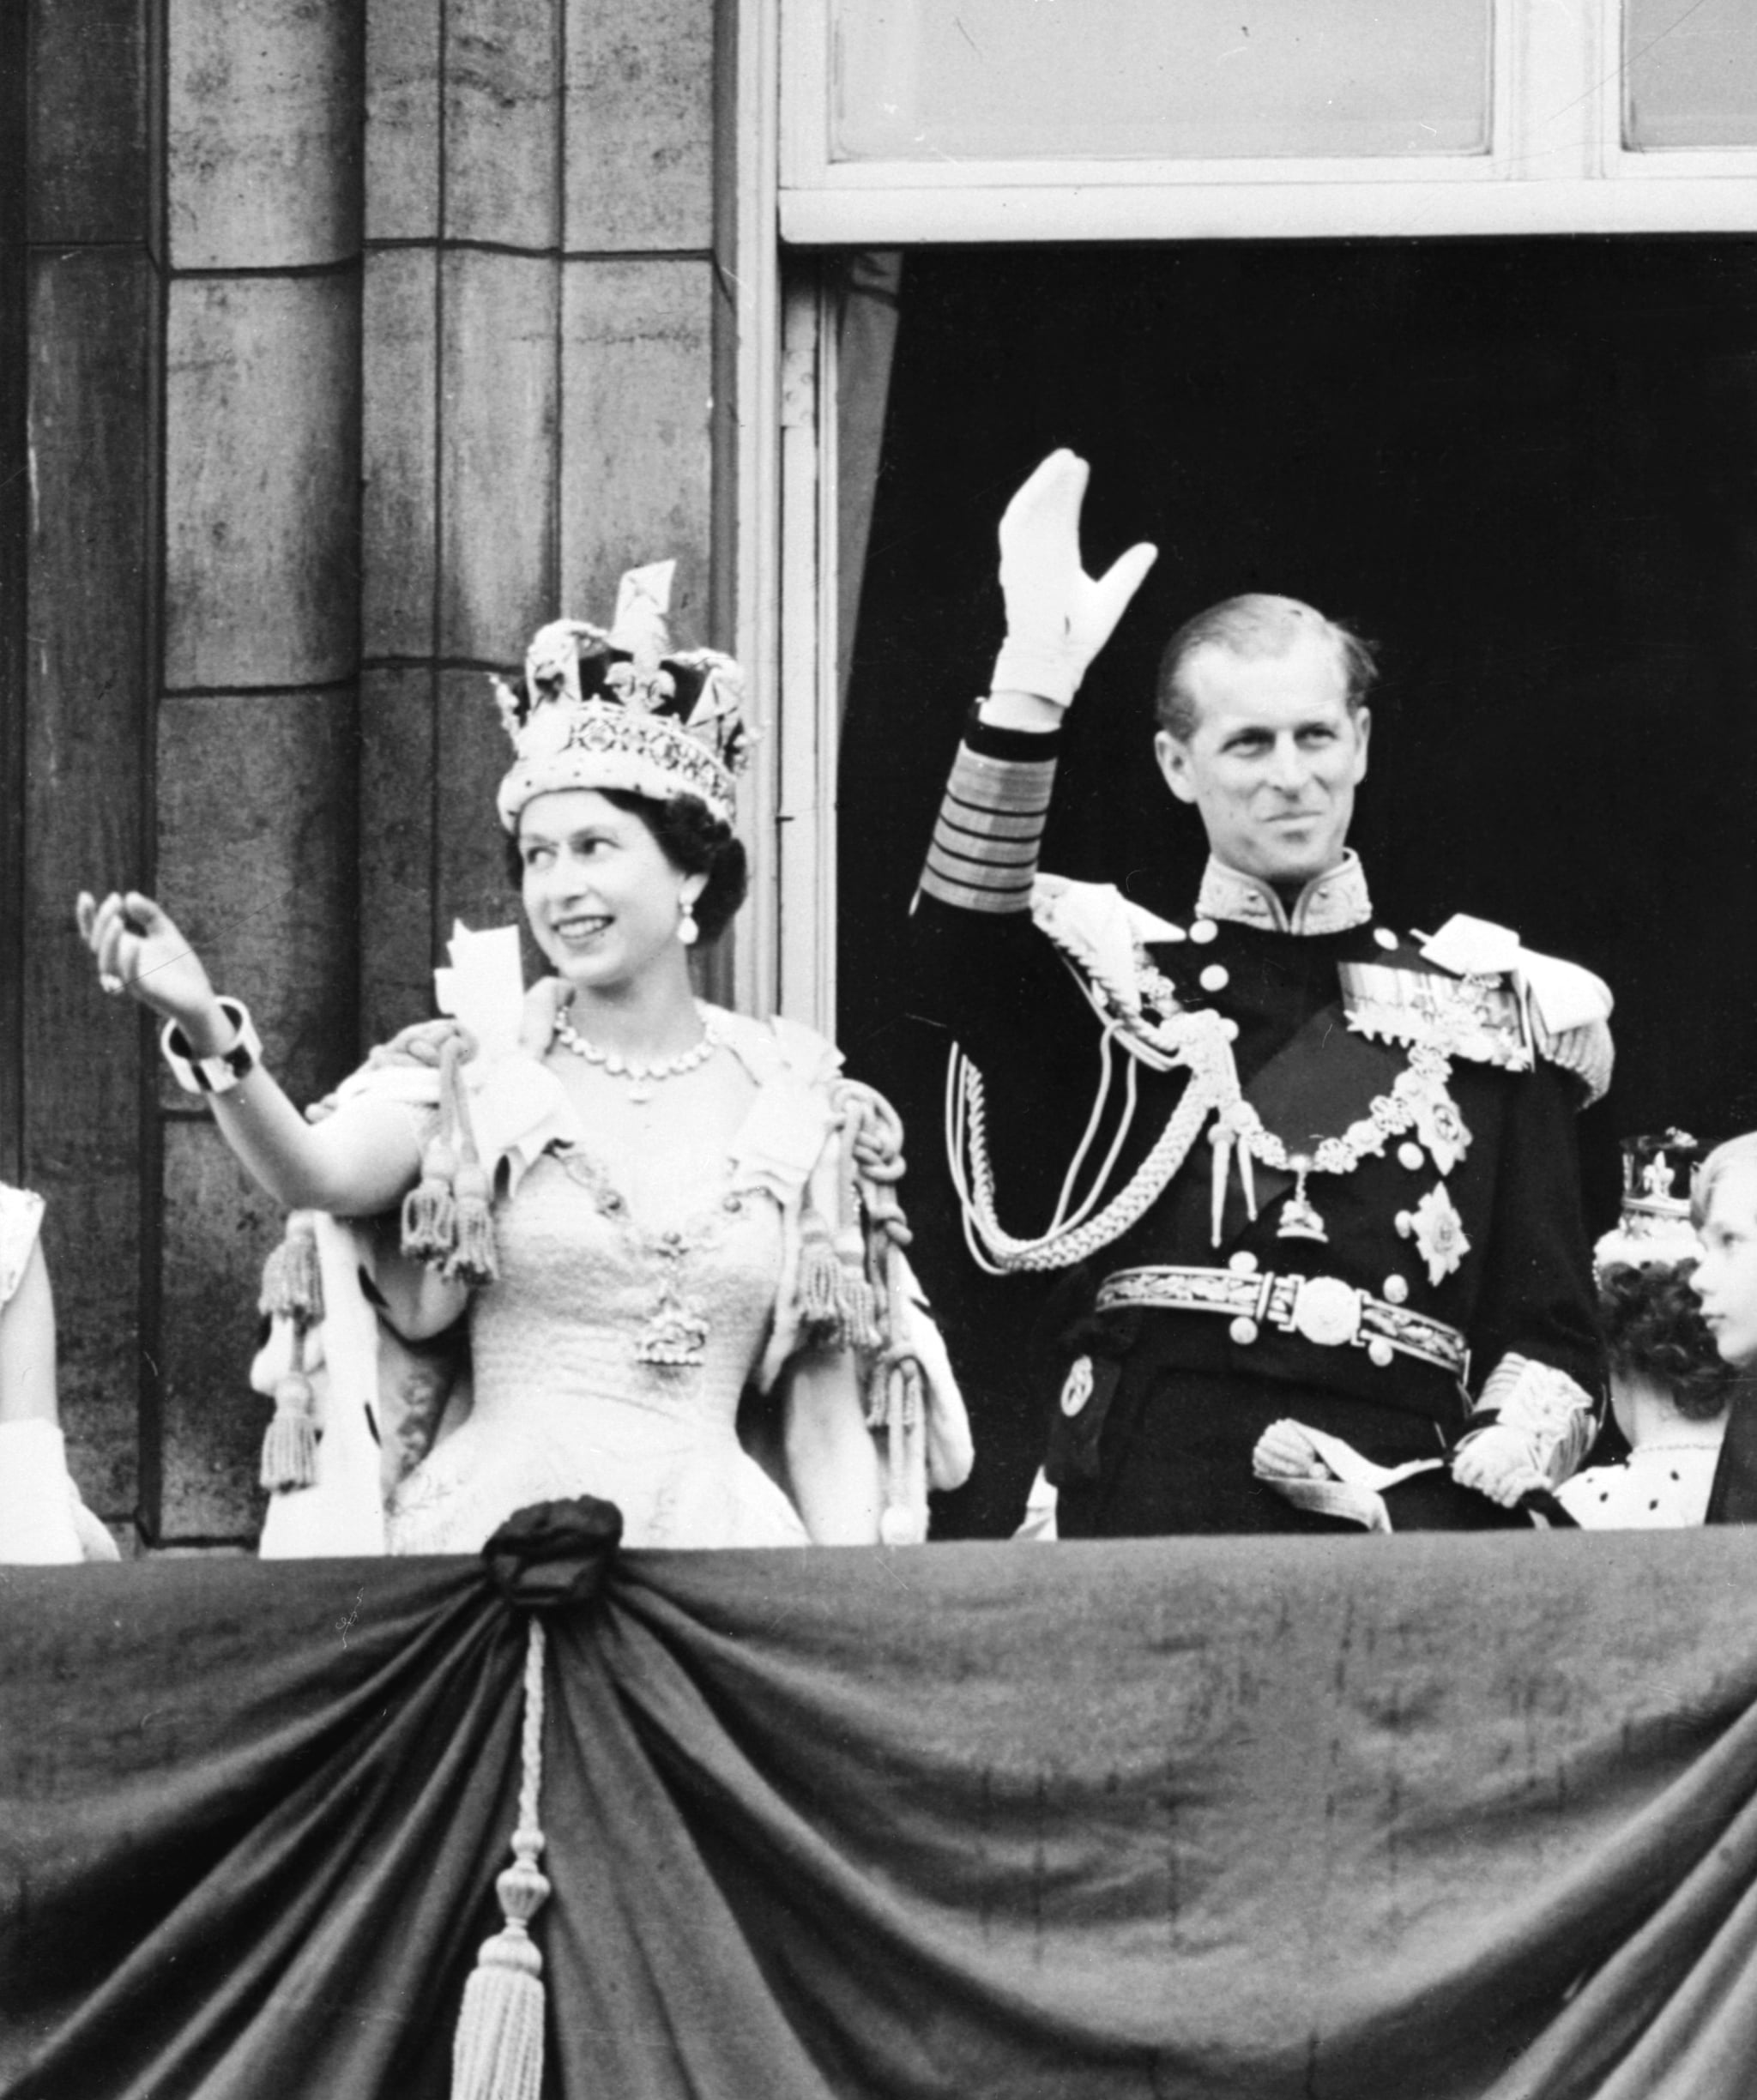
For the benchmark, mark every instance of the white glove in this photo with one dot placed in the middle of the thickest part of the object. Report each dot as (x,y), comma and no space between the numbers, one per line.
(1058,618)
(1500,1462)
(1546,1428)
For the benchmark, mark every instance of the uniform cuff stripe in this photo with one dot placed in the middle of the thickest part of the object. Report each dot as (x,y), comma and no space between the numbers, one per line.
(1015,901)
(1001,780)
(986,853)
(990,823)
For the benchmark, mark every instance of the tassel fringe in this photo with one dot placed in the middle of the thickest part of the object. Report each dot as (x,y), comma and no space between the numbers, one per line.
(290,1442)
(820,1286)
(292,1283)
(472,1259)
(447,1217)
(498,2053)
(430,1209)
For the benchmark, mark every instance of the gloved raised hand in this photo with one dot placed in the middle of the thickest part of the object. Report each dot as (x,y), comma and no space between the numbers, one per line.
(1058,618)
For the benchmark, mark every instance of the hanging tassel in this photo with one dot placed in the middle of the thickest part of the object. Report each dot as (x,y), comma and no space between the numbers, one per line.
(472,1259)
(430,1210)
(498,2053)
(860,1308)
(904,1522)
(820,1302)
(290,1441)
(1221,1139)
(293,1281)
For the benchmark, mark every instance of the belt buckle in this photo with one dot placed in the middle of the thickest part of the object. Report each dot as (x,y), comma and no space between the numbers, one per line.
(1326,1310)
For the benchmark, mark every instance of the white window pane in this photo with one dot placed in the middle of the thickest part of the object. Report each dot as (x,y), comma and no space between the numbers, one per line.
(1692,73)
(928,80)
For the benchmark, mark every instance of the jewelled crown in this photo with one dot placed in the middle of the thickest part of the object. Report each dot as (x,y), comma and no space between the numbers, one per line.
(610,708)
(1655,1225)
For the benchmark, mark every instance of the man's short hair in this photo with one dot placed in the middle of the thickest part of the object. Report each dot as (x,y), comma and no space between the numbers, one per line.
(1258,623)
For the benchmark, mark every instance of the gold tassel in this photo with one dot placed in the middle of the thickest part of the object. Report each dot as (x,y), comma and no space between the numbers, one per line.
(472,1259)
(822,1310)
(863,1333)
(290,1442)
(904,1521)
(498,2053)
(293,1281)
(430,1210)
(860,1306)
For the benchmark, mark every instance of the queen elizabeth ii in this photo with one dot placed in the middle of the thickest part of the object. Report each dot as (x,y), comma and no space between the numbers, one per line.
(647,1209)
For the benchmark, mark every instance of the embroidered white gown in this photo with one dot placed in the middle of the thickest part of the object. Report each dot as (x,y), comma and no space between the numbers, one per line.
(571,1394)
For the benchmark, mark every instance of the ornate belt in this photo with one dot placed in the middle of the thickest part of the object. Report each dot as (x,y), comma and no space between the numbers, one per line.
(1322,1309)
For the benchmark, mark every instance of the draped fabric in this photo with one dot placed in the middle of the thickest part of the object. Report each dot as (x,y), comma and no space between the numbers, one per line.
(868,284)
(1444,1815)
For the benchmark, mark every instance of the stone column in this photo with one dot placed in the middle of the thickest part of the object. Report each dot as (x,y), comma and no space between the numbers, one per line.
(539,303)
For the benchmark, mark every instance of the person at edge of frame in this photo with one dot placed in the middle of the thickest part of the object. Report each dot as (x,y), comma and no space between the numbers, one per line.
(1723,1209)
(1320,1231)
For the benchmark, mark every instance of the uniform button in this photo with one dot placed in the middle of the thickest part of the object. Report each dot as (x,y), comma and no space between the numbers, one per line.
(1410,1155)
(1396,1290)
(1384,937)
(1380,1351)
(1203,931)
(1244,1263)
(1244,1331)
(1215,977)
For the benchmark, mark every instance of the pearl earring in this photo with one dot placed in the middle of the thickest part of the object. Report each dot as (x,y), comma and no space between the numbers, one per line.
(687,931)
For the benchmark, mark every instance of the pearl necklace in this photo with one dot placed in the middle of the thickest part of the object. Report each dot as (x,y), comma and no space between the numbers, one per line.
(642,1079)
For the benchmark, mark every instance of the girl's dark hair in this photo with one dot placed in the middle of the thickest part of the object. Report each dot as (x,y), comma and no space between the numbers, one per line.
(1653,1328)
(693,840)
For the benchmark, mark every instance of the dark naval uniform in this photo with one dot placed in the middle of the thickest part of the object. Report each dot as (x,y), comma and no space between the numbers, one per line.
(1285,1165)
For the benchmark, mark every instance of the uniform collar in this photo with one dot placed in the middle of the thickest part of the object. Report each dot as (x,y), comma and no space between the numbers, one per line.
(1329,903)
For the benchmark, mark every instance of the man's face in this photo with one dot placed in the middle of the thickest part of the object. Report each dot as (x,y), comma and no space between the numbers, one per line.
(1274,760)
(1725,1279)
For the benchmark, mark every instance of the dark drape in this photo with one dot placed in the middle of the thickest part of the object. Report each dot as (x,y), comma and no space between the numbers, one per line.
(1442,1815)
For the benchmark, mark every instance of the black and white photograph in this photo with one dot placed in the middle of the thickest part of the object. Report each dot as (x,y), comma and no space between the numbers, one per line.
(877,1050)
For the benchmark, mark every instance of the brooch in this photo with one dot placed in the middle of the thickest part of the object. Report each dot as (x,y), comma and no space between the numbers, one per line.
(1438,1232)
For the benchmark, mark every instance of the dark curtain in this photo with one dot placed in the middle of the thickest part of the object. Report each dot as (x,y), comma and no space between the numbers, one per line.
(1447,1816)
(869,282)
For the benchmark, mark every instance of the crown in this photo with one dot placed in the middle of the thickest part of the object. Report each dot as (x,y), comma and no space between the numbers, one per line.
(1655,1224)
(612,709)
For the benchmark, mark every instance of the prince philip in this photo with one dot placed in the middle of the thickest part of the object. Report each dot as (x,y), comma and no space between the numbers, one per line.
(1311,1182)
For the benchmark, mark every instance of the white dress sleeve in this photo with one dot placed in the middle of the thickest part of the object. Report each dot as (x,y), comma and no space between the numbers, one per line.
(21,1214)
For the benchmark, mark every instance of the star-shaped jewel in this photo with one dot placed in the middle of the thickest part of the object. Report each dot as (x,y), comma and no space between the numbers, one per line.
(1439,1233)
(1440,1127)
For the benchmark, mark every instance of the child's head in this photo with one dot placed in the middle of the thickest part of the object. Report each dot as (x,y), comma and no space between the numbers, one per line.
(1656,1341)
(1724,1206)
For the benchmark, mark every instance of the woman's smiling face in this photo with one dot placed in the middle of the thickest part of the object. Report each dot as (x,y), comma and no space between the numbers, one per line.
(602,899)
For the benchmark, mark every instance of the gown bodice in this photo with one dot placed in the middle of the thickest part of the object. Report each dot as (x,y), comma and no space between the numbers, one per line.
(609,1359)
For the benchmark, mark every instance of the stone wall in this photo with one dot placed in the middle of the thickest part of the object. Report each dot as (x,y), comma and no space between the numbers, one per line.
(361,340)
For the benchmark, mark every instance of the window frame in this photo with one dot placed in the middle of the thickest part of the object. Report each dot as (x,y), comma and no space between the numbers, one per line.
(1566,171)
(1556,163)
